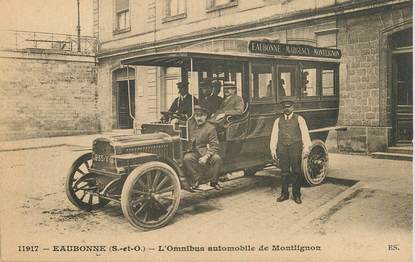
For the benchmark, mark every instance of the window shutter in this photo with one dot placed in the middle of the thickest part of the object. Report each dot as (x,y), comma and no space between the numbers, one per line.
(121,5)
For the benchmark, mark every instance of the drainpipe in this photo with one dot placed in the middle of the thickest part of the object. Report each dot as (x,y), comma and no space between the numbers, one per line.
(79,29)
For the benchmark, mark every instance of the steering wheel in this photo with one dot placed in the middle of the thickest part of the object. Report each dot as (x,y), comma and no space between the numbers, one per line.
(168,116)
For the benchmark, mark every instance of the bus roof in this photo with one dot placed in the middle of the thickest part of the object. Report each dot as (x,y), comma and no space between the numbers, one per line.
(235,50)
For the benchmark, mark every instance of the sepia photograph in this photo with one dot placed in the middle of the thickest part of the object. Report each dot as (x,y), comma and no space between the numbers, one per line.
(206,130)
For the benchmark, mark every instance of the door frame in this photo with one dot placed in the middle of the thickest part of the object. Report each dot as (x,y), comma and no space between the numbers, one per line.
(132,104)
(394,102)
(119,74)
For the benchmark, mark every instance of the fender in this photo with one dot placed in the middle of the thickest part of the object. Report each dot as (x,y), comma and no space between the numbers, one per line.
(131,161)
(326,129)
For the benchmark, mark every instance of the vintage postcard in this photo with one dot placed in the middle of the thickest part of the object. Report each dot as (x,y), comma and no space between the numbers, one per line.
(214,130)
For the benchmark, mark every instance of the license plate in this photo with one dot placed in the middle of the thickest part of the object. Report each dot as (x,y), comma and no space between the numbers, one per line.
(101,158)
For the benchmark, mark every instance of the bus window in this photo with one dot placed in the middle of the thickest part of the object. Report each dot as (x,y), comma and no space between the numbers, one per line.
(216,71)
(193,79)
(171,77)
(261,81)
(229,72)
(309,82)
(286,81)
(327,80)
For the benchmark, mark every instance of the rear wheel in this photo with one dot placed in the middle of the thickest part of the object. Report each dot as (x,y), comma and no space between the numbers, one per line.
(315,165)
(150,195)
(81,185)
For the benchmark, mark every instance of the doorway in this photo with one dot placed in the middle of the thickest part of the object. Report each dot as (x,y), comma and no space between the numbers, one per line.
(124,119)
(402,88)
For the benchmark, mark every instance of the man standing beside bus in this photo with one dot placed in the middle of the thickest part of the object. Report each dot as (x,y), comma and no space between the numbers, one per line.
(289,139)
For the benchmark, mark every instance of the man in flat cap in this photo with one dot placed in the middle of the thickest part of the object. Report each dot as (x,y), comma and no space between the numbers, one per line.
(203,158)
(232,103)
(289,139)
(183,103)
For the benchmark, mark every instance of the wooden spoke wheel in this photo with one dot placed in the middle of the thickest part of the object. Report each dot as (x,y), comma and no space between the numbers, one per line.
(81,184)
(150,195)
(315,165)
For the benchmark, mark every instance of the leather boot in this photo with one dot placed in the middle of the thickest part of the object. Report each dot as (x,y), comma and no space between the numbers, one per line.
(283,197)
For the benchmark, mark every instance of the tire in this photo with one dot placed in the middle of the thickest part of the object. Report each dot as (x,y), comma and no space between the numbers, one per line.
(315,166)
(80,183)
(151,195)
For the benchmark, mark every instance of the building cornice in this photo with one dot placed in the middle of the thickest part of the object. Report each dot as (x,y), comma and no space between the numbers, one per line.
(294,18)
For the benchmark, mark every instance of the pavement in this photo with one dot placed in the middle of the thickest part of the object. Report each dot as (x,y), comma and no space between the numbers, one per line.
(36,143)
(363,212)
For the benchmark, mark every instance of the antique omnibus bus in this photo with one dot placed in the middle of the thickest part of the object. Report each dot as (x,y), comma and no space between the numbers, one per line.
(144,171)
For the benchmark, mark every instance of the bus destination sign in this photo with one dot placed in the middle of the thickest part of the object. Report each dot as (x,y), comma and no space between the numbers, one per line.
(270,48)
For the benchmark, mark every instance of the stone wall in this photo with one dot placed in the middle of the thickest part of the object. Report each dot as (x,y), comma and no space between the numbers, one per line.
(47,95)
(364,100)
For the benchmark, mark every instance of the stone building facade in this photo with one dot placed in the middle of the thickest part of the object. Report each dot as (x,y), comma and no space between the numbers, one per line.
(374,37)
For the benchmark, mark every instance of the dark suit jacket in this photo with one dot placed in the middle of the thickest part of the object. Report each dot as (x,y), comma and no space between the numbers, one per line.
(204,138)
(183,106)
(212,103)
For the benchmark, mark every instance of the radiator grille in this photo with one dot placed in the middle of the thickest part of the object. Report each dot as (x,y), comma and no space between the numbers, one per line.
(161,150)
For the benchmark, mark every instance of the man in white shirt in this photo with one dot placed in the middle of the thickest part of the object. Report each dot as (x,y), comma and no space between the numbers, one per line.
(289,139)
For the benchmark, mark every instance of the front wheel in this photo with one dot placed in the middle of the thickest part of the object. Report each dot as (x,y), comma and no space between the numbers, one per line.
(315,165)
(81,187)
(150,195)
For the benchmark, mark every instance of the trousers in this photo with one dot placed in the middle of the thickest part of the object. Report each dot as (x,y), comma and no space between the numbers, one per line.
(193,170)
(290,164)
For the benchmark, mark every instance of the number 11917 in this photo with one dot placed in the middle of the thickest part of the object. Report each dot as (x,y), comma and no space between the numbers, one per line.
(27,248)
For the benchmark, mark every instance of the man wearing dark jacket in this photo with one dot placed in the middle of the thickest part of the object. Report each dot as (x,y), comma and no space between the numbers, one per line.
(204,158)
(213,101)
(183,103)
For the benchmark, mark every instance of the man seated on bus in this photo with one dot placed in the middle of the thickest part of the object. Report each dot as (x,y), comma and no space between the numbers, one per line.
(232,103)
(182,105)
(212,101)
(203,157)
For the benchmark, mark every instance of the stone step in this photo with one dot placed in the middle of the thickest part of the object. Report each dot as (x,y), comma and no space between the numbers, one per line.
(400,150)
(392,156)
